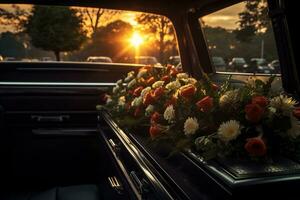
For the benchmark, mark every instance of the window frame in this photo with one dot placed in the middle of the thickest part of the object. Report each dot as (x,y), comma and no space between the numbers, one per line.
(290,79)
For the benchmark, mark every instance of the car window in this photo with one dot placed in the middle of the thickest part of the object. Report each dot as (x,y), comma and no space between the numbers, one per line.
(60,33)
(242,36)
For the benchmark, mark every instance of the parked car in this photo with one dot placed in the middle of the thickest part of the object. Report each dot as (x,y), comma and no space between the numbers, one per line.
(10,59)
(146,60)
(102,59)
(275,66)
(219,64)
(238,64)
(174,60)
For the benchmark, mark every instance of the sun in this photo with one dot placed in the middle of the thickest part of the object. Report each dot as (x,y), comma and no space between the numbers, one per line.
(136,39)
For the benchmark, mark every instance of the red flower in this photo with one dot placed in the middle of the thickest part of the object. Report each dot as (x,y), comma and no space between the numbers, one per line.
(148,99)
(155,117)
(254,112)
(171,101)
(154,131)
(173,72)
(169,67)
(296,112)
(165,78)
(188,91)
(214,87)
(205,104)
(137,111)
(256,146)
(150,80)
(158,92)
(137,91)
(260,100)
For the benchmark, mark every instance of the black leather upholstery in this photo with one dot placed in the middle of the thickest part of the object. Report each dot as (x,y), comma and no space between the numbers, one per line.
(79,192)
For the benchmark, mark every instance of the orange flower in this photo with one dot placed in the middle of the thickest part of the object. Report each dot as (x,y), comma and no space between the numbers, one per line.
(188,91)
(155,117)
(148,99)
(137,91)
(260,100)
(254,112)
(296,112)
(173,72)
(158,92)
(256,147)
(205,104)
(150,80)
(154,131)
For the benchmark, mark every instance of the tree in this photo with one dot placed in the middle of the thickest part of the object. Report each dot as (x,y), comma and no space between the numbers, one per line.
(162,28)
(11,46)
(57,29)
(253,20)
(93,17)
(110,40)
(14,17)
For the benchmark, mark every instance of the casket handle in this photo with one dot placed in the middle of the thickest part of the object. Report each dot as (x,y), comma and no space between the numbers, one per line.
(116,148)
(142,185)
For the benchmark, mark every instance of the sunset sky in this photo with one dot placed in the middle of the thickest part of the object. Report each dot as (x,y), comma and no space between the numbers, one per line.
(226,18)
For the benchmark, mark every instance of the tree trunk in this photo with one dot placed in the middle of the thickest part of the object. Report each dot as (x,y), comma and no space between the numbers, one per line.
(57,55)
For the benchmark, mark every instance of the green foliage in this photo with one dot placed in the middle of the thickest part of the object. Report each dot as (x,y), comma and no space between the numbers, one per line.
(57,29)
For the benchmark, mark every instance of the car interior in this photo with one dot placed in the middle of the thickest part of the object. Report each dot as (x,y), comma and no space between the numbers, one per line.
(54,145)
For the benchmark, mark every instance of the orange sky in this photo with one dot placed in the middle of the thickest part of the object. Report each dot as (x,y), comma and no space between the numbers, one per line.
(226,18)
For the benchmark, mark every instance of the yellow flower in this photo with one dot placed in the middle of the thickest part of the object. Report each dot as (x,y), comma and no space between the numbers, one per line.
(283,103)
(169,113)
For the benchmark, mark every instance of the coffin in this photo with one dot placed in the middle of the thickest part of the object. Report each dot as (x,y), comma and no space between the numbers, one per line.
(155,174)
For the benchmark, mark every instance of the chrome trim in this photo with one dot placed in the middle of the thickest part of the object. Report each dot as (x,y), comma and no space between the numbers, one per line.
(140,159)
(54,84)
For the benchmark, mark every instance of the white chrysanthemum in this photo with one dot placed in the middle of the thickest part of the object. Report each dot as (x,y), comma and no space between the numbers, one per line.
(294,131)
(121,101)
(142,73)
(149,110)
(182,76)
(283,103)
(229,130)
(145,91)
(129,77)
(169,113)
(119,82)
(158,84)
(174,85)
(191,126)
(137,101)
(131,83)
(230,97)
(116,89)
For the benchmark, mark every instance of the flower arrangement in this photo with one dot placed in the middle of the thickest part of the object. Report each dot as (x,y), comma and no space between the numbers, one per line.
(212,120)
